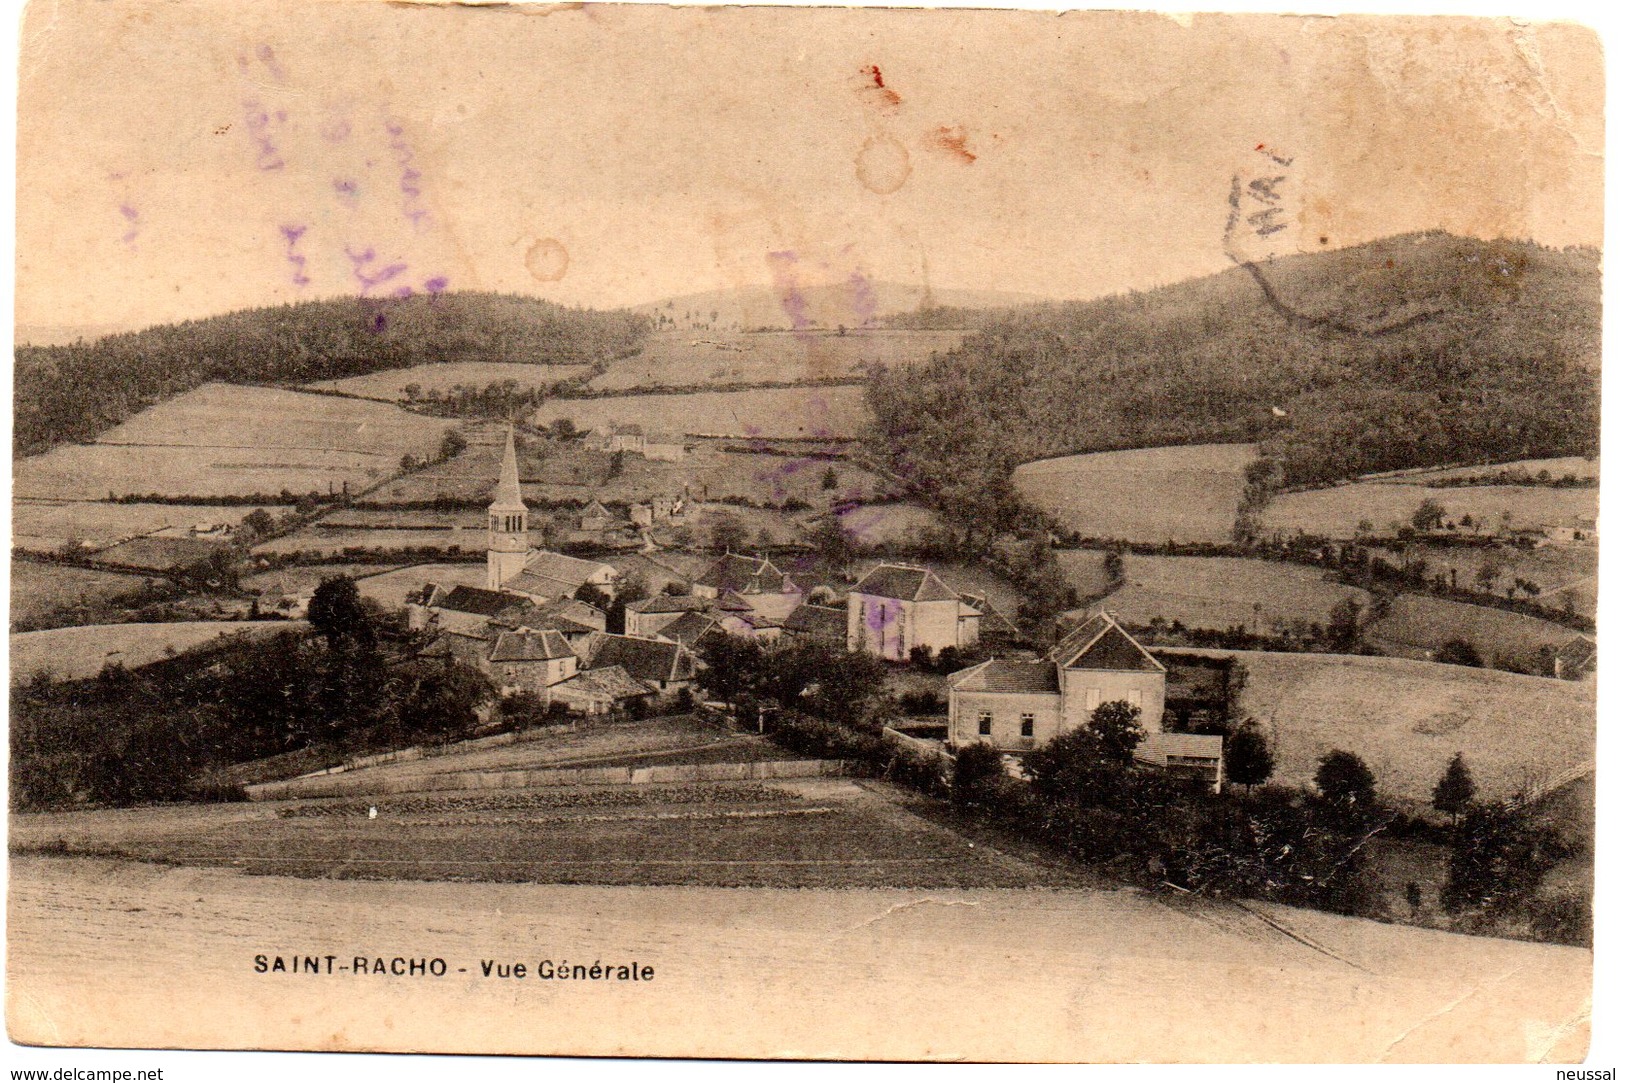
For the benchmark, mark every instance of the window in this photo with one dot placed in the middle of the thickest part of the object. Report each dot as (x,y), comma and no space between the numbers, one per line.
(984,723)
(1132,698)
(1027,725)
(1092,700)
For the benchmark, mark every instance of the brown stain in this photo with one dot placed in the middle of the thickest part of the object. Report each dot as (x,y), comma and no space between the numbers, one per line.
(874,90)
(547,260)
(951,141)
(883,165)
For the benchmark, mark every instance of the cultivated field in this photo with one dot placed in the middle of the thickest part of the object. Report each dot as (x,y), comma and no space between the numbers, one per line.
(335,542)
(696,358)
(82,651)
(39,591)
(1418,623)
(390,588)
(48,525)
(1559,570)
(835,412)
(553,471)
(391,384)
(223,440)
(297,579)
(1388,505)
(1407,718)
(1183,494)
(1085,570)
(1220,592)
(888,524)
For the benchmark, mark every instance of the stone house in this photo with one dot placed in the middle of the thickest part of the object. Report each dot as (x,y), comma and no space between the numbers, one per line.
(895,608)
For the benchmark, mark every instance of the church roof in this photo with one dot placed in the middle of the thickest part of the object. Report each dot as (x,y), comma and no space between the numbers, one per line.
(507,496)
(565,569)
(905,582)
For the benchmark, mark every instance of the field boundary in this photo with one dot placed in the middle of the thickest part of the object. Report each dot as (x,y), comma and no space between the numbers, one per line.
(331,786)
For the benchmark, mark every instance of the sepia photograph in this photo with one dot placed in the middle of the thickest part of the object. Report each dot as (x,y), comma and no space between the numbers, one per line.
(804,533)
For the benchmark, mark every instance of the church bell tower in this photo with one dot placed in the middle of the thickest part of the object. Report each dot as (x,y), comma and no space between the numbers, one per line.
(508,541)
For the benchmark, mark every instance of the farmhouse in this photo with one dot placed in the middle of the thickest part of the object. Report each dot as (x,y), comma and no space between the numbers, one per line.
(661,446)
(1017,705)
(896,608)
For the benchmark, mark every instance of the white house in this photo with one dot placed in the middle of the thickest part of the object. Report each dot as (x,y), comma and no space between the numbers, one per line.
(898,607)
(1017,705)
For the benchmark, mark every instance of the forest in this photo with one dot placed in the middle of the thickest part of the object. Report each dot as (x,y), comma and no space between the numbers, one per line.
(76,392)
(1416,350)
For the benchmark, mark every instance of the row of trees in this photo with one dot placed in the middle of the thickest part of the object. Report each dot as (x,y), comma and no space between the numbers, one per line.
(133,737)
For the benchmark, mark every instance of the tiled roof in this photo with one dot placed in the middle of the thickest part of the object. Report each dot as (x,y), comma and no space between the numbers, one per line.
(529,647)
(904,582)
(1007,675)
(608,682)
(733,571)
(645,659)
(817,620)
(486,603)
(670,603)
(1157,747)
(1100,643)
(689,628)
(565,569)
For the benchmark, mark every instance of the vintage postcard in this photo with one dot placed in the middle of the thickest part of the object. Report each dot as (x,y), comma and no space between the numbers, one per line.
(747,532)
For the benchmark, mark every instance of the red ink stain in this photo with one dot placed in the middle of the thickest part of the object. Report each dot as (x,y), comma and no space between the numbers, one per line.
(875,85)
(952,140)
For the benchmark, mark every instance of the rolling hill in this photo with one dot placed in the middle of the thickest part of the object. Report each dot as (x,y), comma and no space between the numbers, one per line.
(76,392)
(852,303)
(1415,350)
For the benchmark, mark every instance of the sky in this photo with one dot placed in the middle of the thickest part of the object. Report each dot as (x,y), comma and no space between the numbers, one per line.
(180,159)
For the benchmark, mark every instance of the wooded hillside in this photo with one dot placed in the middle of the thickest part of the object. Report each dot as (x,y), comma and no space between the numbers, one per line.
(75,392)
(1414,350)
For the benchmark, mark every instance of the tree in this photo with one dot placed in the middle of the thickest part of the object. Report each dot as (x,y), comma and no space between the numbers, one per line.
(1116,726)
(1455,788)
(1458,652)
(1488,572)
(1343,628)
(1429,515)
(1247,756)
(727,533)
(563,429)
(830,479)
(832,543)
(1112,565)
(336,612)
(732,666)
(975,766)
(617,463)
(260,522)
(1343,779)
(1497,860)
(452,444)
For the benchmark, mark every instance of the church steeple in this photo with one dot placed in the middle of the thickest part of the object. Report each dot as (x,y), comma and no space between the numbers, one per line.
(508,539)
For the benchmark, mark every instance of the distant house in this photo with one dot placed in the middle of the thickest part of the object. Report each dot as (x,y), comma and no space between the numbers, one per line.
(743,575)
(531,661)
(665,667)
(595,518)
(1575,659)
(691,629)
(818,623)
(897,607)
(647,616)
(599,691)
(613,438)
(1017,705)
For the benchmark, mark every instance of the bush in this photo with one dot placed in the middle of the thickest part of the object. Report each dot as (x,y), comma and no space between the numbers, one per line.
(975,767)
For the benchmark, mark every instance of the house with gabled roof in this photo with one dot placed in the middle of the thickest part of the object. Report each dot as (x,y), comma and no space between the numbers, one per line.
(531,661)
(691,628)
(896,608)
(1018,704)
(743,575)
(665,667)
(647,616)
(546,576)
